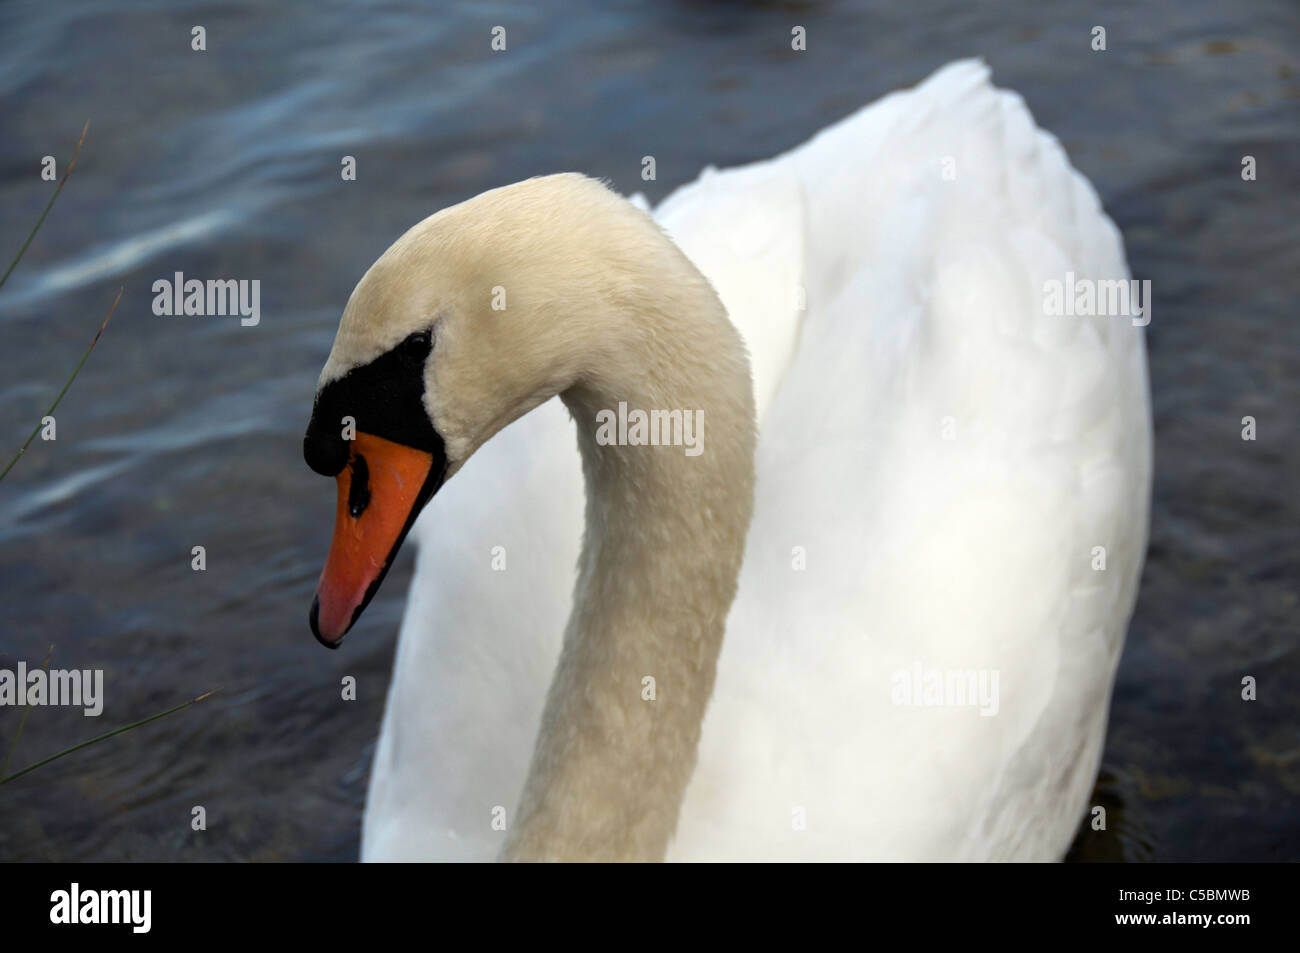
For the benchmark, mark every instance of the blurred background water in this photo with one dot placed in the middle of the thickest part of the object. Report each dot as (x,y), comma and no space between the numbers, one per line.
(187,431)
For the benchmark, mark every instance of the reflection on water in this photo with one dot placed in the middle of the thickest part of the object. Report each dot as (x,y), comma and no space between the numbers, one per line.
(1118,833)
(185,431)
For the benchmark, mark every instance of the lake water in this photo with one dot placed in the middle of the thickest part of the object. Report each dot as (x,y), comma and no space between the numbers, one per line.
(185,431)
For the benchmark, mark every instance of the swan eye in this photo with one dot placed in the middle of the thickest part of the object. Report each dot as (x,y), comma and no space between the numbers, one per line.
(416,346)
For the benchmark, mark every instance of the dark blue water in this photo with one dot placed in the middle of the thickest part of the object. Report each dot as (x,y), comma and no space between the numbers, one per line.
(186,431)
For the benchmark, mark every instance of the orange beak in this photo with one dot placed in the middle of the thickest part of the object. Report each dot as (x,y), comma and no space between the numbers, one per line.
(380,493)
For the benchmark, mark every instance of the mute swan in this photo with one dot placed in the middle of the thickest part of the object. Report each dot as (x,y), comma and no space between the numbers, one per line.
(950,488)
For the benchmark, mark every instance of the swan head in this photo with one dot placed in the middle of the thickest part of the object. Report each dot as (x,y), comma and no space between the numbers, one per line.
(472,318)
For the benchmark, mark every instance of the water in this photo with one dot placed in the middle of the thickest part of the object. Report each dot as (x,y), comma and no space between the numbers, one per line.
(186,431)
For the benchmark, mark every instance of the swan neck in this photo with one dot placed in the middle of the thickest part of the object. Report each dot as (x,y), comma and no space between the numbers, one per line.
(662,547)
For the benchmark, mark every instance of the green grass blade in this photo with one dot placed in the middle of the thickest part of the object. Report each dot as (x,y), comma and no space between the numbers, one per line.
(116,731)
(37,429)
(48,205)
(22,720)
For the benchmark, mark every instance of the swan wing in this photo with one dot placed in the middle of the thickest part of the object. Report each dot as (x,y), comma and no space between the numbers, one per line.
(938,472)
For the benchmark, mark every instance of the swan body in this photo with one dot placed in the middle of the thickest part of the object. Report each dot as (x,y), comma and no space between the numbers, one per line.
(939,465)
